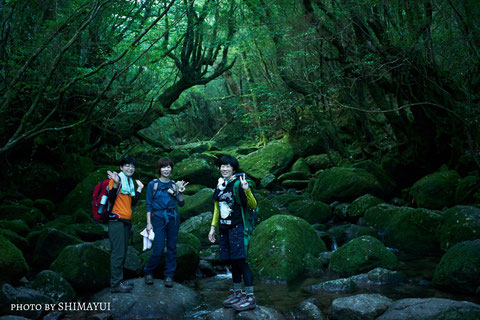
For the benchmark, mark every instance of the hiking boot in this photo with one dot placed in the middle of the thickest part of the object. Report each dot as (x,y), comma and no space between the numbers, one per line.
(168,282)
(246,303)
(233,298)
(121,288)
(148,279)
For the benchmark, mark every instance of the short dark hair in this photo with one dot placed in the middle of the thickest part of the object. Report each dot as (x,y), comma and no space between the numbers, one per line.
(127,160)
(164,162)
(226,159)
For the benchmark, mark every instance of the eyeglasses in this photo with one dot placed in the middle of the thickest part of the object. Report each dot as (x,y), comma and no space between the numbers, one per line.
(129,166)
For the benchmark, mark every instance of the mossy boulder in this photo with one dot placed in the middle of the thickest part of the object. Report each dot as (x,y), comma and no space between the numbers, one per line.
(46,206)
(30,215)
(49,244)
(387,183)
(360,205)
(460,223)
(301,165)
(468,191)
(53,285)
(295,184)
(266,208)
(84,266)
(12,263)
(196,171)
(279,245)
(81,196)
(191,189)
(362,254)
(18,226)
(310,210)
(346,232)
(282,201)
(274,158)
(90,231)
(344,184)
(190,239)
(319,162)
(27,297)
(199,226)
(408,229)
(459,268)
(436,190)
(187,262)
(177,155)
(292,175)
(19,241)
(201,201)
(76,167)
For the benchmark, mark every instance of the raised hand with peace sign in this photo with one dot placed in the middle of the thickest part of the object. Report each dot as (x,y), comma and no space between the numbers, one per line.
(243,182)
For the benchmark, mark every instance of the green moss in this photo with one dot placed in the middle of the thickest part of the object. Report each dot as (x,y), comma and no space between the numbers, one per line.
(198,226)
(279,245)
(17,226)
(12,263)
(360,205)
(436,190)
(460,223)
(196,171)
(468,191)
(310,210)
(319,162)
(54,286)
(459,268)
(301,166)
(200,202)
(361,255)
(190,239)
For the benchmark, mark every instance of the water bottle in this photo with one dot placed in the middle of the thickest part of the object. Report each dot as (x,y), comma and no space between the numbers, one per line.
(103,202)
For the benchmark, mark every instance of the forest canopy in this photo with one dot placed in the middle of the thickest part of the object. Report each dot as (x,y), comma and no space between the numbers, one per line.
(391,80)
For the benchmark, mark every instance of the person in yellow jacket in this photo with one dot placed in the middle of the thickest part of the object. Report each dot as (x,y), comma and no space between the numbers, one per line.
(227,215)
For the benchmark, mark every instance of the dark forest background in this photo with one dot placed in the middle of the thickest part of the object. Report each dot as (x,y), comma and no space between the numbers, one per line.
(84,82)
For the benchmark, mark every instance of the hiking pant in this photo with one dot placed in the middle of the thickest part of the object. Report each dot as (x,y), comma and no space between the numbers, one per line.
(164,231)
(119,234)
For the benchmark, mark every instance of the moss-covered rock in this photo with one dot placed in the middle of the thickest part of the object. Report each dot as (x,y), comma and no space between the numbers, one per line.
(360,205)
(30,215)
(84,266)
(177,155)
(460,223)
(301,165)
(292,175)
(295,184)
(53,285)
(200,202)
(187,262)
(19,241)
(468,191)
(344,184)
(76,167)
(436,191)
(191,189)
(282,201)
(12,263)
(268,181)
(90,231)
(266,208)
(346,232)
(199,226)
(190,239)
(28,298)
(361,255)
(319,162)
(46,206)
(408,229)
(18,226)
(48,246)
(196,171)
(387,183)
(310,210)
(279,245)
(274,158)
(81,195)
(459,268)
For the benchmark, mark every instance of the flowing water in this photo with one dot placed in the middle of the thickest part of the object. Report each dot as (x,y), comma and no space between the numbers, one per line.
(285,297)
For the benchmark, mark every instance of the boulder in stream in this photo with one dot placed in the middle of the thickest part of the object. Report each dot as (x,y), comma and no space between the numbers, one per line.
(360,307)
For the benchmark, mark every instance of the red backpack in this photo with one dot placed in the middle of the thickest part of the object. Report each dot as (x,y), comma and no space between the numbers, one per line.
(100,205)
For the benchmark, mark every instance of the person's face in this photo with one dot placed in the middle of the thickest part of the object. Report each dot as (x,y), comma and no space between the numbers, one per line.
(226,170)
(128,169)
(165,171)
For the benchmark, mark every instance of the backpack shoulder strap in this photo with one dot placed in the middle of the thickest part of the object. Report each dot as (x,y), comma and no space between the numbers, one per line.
(155,188)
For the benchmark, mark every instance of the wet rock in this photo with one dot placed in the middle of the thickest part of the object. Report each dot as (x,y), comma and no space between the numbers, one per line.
(53,285)
(206,268)
(459,268)
(362,254)
(308,310)
(436,191)
(460,223)
(259,313)
(431,309)
(85,266)
(199,226)
(408,229)
(279,245)
(344,285)
(211,254)
(310,210)
(360,307)
(196,204)
(149,301)
(340,211)
(268,181)
(12,263)
(20,296)
(344,184)
(379,277)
